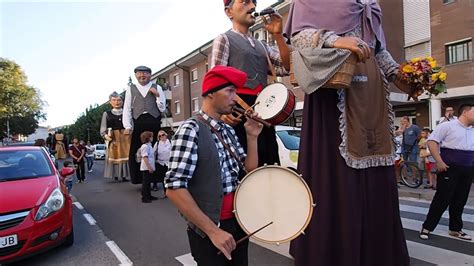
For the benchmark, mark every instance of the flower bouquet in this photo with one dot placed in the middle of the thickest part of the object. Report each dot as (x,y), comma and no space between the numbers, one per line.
(419,75)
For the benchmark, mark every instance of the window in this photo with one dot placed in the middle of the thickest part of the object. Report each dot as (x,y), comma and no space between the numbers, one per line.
(459,51)
(177,107)
(194,75)
(447,1)
(175,80)
(195,104)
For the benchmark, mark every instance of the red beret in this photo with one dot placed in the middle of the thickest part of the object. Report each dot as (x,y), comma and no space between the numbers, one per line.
(220,77)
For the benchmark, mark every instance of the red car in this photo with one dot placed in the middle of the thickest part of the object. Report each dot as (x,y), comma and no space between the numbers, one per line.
(35,207)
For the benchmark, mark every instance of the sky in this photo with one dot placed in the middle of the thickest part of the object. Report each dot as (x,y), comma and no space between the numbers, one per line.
(78,52)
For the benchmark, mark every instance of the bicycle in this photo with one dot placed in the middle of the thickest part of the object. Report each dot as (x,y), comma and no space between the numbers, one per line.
(410,174)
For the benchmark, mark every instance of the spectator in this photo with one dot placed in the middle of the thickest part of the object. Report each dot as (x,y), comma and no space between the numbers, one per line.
(77,152)
(90,156)
(68,179)
(162,149)
(452,146)
(448,115)
(147,165)
(411,135)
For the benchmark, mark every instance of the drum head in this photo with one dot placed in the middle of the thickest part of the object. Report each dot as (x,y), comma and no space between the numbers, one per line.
(272,100)
(273,194)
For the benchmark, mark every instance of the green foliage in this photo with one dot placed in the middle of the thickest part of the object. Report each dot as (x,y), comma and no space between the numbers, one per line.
(90,119)
(20,104)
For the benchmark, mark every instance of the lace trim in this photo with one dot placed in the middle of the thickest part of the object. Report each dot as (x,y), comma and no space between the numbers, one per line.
(368,161)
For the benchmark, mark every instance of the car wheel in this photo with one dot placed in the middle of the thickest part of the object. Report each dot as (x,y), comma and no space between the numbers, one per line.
(69,239)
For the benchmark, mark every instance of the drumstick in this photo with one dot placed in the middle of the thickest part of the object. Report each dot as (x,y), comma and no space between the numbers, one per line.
(249,235)
(243,112)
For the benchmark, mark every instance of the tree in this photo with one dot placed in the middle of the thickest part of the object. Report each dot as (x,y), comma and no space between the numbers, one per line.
(21,104)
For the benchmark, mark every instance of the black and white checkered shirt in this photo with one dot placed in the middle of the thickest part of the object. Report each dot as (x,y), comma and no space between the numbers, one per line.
(184,154)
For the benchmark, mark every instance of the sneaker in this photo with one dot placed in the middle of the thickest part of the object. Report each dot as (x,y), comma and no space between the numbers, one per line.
(460,235)
(424,234)
(90,171)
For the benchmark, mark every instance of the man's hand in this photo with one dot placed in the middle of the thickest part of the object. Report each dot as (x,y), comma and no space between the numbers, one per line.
(154,91)
(441,166)
(223,241)
(107,137)
(127,131)
(252,127)
(355,45)
(230,119)
(275,26)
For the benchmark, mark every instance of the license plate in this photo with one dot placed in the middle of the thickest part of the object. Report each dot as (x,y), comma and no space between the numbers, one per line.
(8,241)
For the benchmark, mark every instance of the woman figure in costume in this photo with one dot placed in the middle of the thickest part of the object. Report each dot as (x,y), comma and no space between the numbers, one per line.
(118,144)
(347,152)
(59,146)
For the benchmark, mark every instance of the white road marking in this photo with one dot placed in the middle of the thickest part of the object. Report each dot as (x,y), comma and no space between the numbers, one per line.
(90,219)
(78,205)
(124,260)
(422,210)
(429,202)
(186,260)
(438,256)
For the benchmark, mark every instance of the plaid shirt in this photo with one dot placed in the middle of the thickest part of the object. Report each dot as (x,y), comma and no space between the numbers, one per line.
(220,52)
(184,154)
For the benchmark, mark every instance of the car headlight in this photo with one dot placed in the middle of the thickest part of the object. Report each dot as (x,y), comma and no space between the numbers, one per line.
(54,203)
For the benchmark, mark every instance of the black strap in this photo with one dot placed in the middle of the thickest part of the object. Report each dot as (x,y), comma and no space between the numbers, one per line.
(226,146)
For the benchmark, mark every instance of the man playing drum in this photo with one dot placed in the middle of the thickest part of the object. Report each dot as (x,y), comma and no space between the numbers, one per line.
(205,161)
(237,48)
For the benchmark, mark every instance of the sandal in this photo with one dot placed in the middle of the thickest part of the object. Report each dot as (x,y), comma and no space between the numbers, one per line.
(424,234)
(460,235)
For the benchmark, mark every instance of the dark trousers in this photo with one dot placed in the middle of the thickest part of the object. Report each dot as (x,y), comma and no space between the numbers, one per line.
(145,122)
(80,170)
(146,190)
(159,175)
(452,190)
(205,253)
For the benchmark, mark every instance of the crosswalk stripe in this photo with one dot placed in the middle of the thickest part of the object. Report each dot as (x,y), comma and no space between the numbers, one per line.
(429,202)
(440,230)
(421,210)
(186,260)
(438,256)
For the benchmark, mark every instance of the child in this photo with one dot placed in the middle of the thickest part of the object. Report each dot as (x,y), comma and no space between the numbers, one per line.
(424,157)
(68,179)
(147,165)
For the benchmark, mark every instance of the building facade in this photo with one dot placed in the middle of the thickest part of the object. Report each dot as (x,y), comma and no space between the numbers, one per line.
(440,28)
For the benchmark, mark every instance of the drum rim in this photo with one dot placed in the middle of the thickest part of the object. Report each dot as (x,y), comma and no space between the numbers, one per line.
(286,103)
(308,219)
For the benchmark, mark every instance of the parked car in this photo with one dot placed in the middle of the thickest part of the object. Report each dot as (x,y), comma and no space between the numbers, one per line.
(32,143)
(100,150)
(288,139)
(35,209)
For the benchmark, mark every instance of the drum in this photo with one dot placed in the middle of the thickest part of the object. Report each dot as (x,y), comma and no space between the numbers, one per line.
(273,194)
(276,103)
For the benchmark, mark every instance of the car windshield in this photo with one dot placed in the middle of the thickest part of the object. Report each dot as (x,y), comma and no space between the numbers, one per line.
(100,147)
(23,164)
(290,138)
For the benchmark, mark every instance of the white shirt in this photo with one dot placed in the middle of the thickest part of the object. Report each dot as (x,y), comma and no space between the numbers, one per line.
(445,119)
(127,120)
(163,152)
(454,135)
(147,151)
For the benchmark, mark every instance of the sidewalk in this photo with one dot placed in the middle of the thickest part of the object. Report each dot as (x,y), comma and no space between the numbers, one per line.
(428,194)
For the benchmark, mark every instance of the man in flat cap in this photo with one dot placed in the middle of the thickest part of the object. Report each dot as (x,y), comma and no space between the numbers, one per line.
(142,109)
(237,48)
(206,157)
